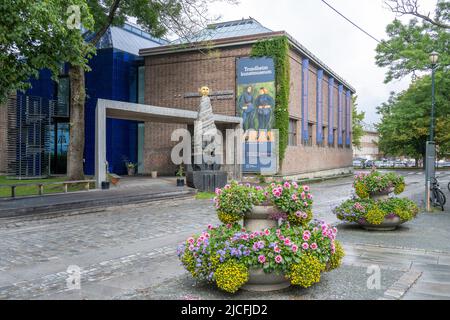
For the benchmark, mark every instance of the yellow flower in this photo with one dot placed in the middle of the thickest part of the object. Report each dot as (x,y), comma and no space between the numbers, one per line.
(336,258)
(375,215)
(307,272)
(231,275)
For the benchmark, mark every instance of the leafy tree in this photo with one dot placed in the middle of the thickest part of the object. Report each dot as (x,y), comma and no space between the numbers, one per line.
(409,45)
(405,118)
(357,123)
(159,17)
(36,35)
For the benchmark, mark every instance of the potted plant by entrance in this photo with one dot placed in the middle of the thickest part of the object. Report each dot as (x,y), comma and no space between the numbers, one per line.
(180,176)
(277,246)
(131,168)
(373,209)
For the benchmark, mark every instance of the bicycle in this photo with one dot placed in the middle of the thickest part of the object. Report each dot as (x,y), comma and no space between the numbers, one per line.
(437,197)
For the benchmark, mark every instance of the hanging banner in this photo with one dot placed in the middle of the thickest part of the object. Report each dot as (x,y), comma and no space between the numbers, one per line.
(319,101)
(348,117)
(330,111)
(340,120)
(255,92)
(305,72)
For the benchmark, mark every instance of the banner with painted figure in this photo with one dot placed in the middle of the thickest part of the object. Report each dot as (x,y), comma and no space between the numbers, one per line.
(255,104)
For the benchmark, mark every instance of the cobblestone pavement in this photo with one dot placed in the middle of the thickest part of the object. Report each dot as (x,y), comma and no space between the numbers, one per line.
(128,252)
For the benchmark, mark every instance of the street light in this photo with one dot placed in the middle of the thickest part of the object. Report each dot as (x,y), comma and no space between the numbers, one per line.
(431,146)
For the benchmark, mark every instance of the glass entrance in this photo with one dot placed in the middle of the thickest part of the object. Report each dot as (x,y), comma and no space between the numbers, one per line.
(59,144)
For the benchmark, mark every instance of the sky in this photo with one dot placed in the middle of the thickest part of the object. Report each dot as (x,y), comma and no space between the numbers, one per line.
(341,46)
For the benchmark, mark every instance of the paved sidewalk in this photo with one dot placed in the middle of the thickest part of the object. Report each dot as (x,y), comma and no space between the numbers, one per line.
(130,190)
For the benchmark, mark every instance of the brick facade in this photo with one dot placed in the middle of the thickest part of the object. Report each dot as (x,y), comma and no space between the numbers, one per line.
(170,76)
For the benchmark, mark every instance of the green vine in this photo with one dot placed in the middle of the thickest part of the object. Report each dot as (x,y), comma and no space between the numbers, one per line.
(278,49)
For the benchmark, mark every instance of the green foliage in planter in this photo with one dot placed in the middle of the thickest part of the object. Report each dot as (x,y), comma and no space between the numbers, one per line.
(233,201)
(231,275)
(375,212)
(375,215)
(307,272)
(336,259)
(278,49)
(375,181)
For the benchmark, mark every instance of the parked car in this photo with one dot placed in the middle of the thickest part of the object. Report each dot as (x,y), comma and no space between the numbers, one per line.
(358,162)
(400,164)
(369,164)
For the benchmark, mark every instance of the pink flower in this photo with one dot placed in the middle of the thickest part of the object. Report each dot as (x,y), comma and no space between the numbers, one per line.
(191,247)
(306,237)
(305,204)
(210,227)
(258,188)
(229,226)
(303,195)
(278,232)
(227,187)
(218,191)
(267,232)
(294,197)
(278,259)
(294,248)
(262,259)
(287,242)
(286,185)
(244,237)
(305,246)
(191,240)
(304,215)
(281,237)
(252,236)
(306,188)
(309,196)
(277,249)
(295,185)
(314,246)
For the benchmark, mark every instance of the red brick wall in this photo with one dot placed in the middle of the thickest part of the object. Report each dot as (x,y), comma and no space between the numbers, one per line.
(169,77)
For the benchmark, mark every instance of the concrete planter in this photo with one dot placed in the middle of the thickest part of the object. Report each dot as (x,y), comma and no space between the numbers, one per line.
(381,195)
(154,174)
(260,281)
(388,224)
(258,219)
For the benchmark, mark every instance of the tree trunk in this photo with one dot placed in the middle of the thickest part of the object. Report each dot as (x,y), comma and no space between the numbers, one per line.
(75,158)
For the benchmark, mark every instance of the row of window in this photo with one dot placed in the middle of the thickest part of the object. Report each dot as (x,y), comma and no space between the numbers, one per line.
(293,135)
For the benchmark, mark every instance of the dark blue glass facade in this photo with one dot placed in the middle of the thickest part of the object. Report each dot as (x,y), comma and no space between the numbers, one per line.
(114,76)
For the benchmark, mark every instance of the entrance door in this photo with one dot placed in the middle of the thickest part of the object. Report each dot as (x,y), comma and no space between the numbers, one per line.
(59,146)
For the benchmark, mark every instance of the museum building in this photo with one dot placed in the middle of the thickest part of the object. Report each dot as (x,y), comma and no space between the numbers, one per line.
(132,67)
(320,105)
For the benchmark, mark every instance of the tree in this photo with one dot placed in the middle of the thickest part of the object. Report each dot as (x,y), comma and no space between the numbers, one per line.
(39,34)
(405,118)
(412,7)
(357,123)
(159,17)
(409,45)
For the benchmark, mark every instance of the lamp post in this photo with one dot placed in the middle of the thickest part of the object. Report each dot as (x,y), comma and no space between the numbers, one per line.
(431,147)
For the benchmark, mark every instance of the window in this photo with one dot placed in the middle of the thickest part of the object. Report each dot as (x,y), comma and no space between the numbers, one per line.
(324,136)
(292,132)
(310,134)
(334,138)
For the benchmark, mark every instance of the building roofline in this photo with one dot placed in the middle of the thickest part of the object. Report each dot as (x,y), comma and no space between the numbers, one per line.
(239,41)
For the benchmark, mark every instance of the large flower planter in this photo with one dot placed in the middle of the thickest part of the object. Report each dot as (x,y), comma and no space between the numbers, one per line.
(258,219)
(389,224)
